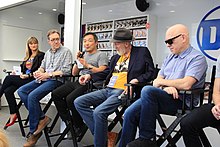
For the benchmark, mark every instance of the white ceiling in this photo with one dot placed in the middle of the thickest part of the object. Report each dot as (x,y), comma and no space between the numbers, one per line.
(159,8)
(48,5)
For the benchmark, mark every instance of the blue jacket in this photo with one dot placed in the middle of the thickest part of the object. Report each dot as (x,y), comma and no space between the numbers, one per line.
(141,66)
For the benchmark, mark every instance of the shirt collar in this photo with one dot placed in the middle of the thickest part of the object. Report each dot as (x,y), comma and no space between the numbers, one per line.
(184,53)
(52,51)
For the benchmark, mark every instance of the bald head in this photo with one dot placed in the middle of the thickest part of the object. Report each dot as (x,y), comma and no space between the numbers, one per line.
(176,30)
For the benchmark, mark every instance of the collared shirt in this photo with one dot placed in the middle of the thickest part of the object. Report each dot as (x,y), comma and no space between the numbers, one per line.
(189,63)
(60,60)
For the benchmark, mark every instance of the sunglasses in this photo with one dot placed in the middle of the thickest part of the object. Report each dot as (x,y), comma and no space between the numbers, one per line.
(170,41)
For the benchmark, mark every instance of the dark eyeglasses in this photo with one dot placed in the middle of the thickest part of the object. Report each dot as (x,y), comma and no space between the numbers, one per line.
(170,41)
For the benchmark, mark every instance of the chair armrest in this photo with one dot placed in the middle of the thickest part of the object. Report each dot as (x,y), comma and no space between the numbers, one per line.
(66,77)
(130,97)
(192,92)
(7,71)
(140,84)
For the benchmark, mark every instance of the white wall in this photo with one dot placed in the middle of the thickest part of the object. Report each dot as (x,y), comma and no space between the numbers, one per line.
(190,15)
(187,12)
(120,11)
(31,19)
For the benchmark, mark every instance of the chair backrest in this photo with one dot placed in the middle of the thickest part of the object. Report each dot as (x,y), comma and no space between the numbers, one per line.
(211,86)
(156,71)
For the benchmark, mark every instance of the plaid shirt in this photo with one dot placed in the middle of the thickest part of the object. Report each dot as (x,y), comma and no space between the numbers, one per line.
(61,60)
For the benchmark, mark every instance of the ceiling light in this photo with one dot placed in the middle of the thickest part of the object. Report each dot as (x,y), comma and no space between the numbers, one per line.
(84,3)
(54,9)
(172,11)
(5,4)
(110,11)
(40,13)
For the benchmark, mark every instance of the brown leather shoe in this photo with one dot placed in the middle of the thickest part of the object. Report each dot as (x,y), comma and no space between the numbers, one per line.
(32,140)
(112,139)
(42,124)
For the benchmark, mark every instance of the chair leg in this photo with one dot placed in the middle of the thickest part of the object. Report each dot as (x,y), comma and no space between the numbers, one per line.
(117,119)
(67,129)
(47,106)
(167,131)
(54,123)
(73,135)
(21,124)
(47,137)
(204,139)
(19,120)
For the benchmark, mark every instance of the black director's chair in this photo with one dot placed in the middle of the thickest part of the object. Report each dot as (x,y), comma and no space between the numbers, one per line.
(127,100)
(171,133)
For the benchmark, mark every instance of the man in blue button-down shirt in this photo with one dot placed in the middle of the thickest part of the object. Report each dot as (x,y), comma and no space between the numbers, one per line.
(183,69)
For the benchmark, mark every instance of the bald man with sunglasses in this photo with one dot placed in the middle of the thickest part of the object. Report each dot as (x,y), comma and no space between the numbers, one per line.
(184,69)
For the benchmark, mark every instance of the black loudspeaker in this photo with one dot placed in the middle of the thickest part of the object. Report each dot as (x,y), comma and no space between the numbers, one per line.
(61,18)
(142,5)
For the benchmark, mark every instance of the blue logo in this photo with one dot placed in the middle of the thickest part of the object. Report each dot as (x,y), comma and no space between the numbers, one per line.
(208,34)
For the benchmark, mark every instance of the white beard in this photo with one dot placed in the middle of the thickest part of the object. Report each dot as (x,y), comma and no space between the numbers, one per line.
(121,52)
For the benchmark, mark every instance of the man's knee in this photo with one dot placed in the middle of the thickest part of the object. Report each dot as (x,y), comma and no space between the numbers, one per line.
(97,114)
(185,124)
(55,95)
(128,114)
(147,89)
(77,102)
(149,92)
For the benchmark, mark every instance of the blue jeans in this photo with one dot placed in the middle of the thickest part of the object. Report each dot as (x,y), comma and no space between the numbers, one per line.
(142,113)
(105,102)
(30,94)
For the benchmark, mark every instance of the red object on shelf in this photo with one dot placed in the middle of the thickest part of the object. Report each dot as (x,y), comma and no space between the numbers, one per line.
(147,25)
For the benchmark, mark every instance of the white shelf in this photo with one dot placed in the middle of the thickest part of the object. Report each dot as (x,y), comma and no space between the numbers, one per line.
(12,60)
(105,31)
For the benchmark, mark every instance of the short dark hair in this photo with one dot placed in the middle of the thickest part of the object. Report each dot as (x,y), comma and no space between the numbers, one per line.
(93,34)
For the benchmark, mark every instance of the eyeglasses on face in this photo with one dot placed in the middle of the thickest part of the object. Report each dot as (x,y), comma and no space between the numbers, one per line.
(54,39)
(170,41)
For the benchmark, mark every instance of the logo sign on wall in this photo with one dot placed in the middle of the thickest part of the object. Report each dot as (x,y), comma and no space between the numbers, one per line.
(208,34)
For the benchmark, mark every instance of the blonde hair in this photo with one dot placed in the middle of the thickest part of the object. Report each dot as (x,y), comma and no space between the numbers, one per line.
(28,51)
(3,139)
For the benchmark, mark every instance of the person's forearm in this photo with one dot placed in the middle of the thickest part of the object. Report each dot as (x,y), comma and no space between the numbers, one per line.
(177,83)
(57,73)
(216,99)
(75,70)
(97,69)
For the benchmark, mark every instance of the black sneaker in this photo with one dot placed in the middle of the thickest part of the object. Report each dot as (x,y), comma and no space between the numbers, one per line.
(140,142)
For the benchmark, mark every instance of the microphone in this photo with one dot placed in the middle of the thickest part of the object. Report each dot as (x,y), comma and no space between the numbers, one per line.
(81,55)
(4,70)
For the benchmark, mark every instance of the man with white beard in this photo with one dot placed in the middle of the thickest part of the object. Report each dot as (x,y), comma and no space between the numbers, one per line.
(130,65)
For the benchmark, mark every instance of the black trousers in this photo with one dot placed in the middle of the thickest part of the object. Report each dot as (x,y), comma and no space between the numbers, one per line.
(63,98)
(10,84)
(198,119)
